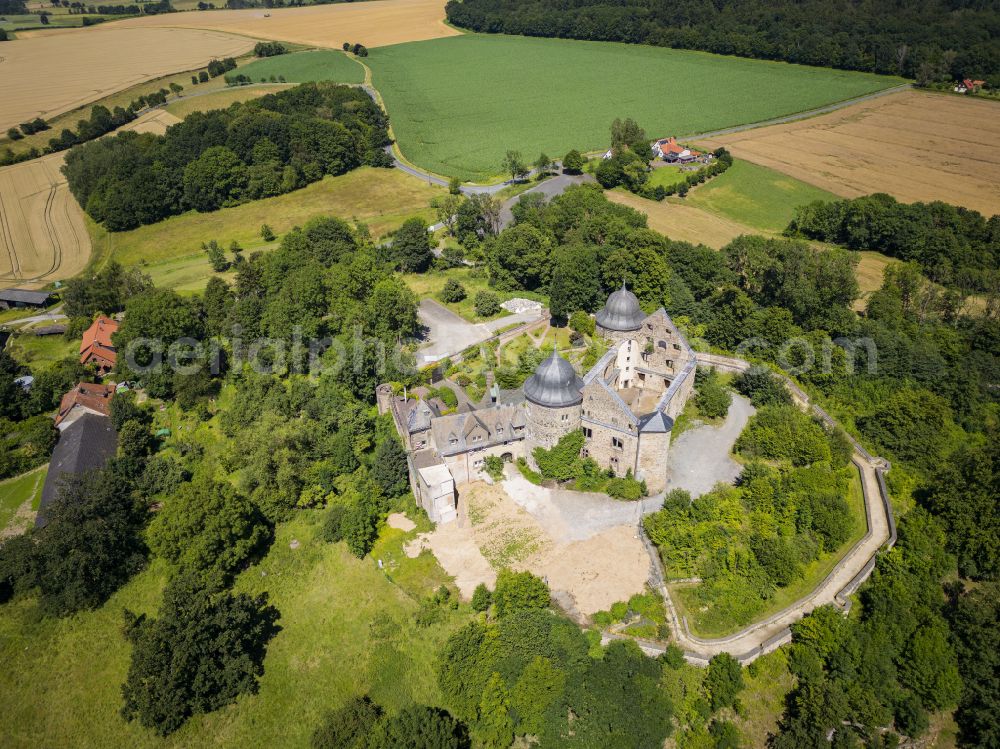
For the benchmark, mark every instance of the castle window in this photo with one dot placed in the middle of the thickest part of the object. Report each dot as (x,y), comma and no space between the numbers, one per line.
(677,347)
(617,444)
(564,417)
(588,432)
(662,344)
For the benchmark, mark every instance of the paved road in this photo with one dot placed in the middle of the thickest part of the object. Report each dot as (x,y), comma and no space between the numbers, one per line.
(53,315)
(449,334)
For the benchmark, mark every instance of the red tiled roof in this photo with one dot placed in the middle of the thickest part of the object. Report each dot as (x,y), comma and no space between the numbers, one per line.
(96,343)
(670,145)
(93,397)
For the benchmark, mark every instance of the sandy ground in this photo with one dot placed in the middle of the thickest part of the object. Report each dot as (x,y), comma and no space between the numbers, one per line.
(917,146)
(374,24)
(400,521)
(448,333)
(47,75)
(43,235)
(585,575)
(683,223)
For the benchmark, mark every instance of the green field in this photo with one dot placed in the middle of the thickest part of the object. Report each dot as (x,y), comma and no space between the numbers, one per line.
(311,65)
(346,628)
(170,250)
(16,491)
(755,195)
(458,104)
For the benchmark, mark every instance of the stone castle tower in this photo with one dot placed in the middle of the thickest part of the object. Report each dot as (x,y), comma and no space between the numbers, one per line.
(552,403)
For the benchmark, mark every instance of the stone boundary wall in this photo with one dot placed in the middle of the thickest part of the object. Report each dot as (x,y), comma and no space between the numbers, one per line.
(657,575)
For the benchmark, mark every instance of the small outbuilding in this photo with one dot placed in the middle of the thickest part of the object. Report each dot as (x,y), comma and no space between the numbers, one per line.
(12,298)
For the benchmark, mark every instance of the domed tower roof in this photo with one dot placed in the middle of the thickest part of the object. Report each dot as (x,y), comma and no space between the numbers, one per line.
(621,312)
(555,384)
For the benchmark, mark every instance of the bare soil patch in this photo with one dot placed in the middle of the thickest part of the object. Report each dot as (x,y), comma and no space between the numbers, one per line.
(46,75)
(374,24)
(585,576)
(917,146)
(43,235)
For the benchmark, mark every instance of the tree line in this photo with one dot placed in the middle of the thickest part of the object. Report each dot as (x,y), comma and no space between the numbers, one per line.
(268,146)
(926,41)
(954,246)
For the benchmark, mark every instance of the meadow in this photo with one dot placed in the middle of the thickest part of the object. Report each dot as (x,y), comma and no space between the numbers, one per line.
(16,491)
(310,65)
(458,104)
(170,251)
(346,628)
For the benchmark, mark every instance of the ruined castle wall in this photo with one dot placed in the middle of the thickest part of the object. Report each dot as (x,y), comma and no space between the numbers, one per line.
(610,433)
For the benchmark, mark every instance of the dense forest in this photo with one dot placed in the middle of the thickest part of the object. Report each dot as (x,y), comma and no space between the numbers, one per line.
(923,39)
(251,150)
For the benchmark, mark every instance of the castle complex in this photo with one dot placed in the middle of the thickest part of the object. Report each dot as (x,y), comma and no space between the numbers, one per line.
(625,405)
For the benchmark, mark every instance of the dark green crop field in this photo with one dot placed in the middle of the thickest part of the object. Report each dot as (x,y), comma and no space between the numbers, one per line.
(458,104)
(302,67)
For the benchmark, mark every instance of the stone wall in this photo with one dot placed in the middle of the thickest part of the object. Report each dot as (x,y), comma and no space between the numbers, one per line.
(652,460)
(610,431)
(545,426)
(469,466)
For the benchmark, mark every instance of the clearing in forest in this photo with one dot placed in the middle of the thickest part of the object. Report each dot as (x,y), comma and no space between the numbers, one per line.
(915,145)
(46,75)
(310,65)
(373,24)
(457,105)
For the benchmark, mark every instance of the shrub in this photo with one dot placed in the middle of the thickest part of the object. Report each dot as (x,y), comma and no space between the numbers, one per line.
(516,591)
(487,304)
(713,398)
(626,488)
(762,387)
(582,323)
(562,461)
(494,467)
(452,292)
(481,598)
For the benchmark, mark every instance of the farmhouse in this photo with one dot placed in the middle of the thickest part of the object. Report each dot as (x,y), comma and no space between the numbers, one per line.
(969,86)
(11,298)
(84,398)
(625,406)
(671,151)
(85,445)
(97,348)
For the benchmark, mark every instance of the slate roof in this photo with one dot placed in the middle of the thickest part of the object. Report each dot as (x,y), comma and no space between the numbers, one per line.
(24,296)
(621,311)
(86,444)
(656,422)
(454,434)
(555,384)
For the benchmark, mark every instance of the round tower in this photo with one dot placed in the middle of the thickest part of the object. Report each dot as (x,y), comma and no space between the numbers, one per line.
(620,316)
(552,407)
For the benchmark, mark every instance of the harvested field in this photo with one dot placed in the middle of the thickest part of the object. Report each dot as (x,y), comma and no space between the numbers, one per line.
(917,146)
(184,106)
(374,24)
(46,75)
(681,222)
(42,233)
(43,236)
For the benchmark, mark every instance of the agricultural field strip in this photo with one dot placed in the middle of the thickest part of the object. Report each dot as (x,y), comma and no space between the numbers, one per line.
(914,145)
(376,23)
(42,231)
(105,60)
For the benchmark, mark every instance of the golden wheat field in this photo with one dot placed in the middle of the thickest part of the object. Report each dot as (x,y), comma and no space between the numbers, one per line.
(45,75)
(375,24)
(43,236)
(917,146)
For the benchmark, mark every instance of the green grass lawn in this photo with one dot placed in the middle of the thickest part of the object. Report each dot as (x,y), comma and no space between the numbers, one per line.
(755,195)
(39,352)
(311,65)
(458,104)
(474,280)
(706,624)
(171,249)
(666,176)
(346,629)
(16,491)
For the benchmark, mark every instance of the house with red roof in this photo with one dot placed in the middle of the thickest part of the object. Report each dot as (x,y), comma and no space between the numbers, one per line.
(84,398)
(96,347)
(969,86)
(670,150)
